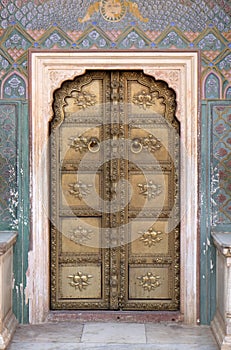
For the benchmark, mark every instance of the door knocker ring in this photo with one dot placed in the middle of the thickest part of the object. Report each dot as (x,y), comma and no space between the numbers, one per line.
(94,145)
(136,145)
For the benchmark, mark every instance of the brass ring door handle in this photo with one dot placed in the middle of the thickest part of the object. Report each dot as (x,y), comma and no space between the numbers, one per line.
(94,145)
(136,145)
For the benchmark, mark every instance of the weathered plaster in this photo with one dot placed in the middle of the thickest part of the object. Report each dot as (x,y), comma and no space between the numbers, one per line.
(8,321)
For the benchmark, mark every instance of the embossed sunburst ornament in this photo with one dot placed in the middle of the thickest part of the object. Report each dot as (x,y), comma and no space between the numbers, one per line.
(79,189)
(79,143)
(79,280)
(149,281)
(150,189)
(145,100)
(79,100)
(80,235)
(151,237)
(84,99)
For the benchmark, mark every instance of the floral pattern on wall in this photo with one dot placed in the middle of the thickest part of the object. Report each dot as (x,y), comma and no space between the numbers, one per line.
(221,164)
(8,149)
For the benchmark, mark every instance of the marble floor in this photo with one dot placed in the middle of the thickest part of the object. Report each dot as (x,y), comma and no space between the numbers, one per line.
(112,336)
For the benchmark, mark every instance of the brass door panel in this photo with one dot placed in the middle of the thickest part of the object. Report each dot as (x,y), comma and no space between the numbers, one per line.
(150,238)
(148,284)
(79,266)
(80,236)
(76,192)
(115,221)
(82,283)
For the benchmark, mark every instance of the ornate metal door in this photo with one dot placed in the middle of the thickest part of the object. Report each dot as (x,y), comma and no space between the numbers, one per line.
(114,154)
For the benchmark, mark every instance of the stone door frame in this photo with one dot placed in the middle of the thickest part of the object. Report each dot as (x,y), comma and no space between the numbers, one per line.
(48,70)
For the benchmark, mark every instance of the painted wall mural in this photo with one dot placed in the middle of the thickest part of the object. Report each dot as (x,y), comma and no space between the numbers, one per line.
(8,188)
(221,164)
(120,24)
(203,25)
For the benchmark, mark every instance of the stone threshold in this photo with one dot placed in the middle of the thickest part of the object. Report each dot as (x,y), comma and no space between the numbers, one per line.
(112,335)
(118,316)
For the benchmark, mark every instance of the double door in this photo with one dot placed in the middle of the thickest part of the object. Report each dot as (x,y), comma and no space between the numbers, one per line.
(114,208)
